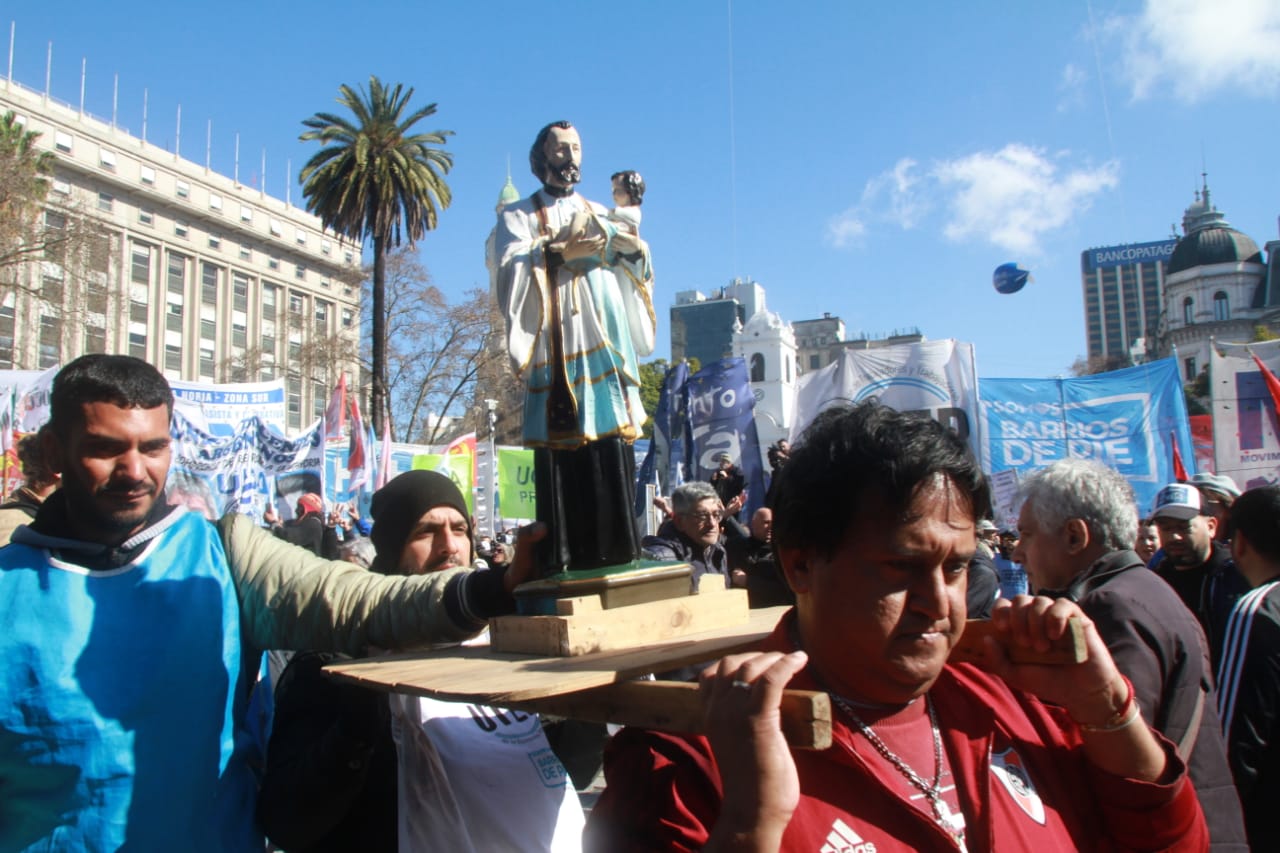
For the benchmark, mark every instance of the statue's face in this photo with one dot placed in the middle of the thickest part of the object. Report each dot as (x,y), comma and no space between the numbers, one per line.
(563,150)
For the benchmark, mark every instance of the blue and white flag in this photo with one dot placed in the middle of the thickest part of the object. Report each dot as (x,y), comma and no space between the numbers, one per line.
(667,461)
(722,420)
(1123,419)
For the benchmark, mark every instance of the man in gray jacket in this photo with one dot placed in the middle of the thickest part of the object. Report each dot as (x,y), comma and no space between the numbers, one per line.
(133,631)
(1077,525)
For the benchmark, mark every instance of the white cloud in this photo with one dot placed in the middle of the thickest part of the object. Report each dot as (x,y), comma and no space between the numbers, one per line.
(1071,87)
(891,196)
(1009,198)
(1199,48)
(1014,196)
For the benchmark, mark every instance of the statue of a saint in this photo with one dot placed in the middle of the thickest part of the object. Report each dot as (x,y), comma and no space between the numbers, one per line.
(576,286)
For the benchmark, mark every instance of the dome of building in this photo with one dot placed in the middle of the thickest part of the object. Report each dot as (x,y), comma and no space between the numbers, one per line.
(1209,239)
(509,194)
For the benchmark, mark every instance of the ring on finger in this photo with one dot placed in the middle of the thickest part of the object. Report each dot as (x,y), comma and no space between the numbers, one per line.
(740,684)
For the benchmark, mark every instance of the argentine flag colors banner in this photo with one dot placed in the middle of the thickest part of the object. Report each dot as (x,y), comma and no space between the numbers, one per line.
(939,378)
(1127,419)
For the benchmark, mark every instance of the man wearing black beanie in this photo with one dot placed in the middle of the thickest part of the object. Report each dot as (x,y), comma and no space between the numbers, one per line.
(331,781)
(420,525)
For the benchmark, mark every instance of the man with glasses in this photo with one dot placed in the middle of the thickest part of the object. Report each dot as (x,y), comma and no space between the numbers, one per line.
(694,533)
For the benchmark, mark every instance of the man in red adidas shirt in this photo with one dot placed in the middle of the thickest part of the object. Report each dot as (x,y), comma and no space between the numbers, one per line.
(874,527)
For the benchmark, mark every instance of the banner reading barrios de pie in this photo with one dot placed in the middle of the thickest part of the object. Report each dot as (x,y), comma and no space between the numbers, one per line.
(1126,419)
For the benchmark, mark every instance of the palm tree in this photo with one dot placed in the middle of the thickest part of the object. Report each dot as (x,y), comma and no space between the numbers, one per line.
(376,178)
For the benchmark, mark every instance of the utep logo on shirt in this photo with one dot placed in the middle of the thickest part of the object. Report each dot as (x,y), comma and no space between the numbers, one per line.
(1007,767)
(842,839)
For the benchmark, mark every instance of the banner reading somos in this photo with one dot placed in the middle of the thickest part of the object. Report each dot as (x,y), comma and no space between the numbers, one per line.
(1126,419)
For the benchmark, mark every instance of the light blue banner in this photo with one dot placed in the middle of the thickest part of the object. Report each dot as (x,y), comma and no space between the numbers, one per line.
(1127,419)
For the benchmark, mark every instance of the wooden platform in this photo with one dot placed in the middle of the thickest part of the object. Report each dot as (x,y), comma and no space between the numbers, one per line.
(583,626)
(599,685)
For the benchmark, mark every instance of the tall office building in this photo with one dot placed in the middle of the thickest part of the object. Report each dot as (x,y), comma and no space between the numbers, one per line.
(1124,298)
(206,278)
(702,326)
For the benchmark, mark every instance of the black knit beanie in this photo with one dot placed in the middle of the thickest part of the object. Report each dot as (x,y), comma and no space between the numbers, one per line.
(399,504)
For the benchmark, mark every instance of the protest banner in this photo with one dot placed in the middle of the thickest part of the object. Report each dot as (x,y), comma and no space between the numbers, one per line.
(516,494)
(223,406)
(722,421)
(456,466)
(1125,419)
(214,475)
(936,377)
(1246,434)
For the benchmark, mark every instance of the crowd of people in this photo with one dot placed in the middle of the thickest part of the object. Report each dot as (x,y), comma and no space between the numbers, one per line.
(136,629)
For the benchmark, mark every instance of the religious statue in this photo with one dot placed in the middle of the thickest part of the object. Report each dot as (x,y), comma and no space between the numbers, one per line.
(575,283)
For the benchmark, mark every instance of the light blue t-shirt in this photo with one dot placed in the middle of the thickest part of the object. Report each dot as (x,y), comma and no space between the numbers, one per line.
(1013,579)
(122,700)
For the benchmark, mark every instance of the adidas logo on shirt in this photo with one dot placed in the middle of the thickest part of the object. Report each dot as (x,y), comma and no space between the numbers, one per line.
(842,839)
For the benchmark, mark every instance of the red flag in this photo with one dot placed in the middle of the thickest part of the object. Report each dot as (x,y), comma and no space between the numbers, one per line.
(335,414)
(356,464)
(1273,384)
(1179,470)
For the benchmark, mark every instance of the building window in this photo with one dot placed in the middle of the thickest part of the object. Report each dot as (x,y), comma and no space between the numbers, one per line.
(246,213)
(146,217)
(325,246)
(1221,308)
(208,284)
(182,189)
(106,201)
(53,219)
(295,303)
(300,236)
(1189,365)
(269,298)
(1188,311)
(276,228)
(215,243)
(273,263)
(206,363)
(62,141)
(95,339)
(7,323)
(239,335)
(138,345)
(294,389)
(348,318)
(757,367)
(246,254)
(107,159)
(147,174)
(215,202)
(322,317)
(813,362)
(172,358)
(61,187)
(140,268)
(300,271)
(50,340)
(239,292)
(177,276)
(180,228)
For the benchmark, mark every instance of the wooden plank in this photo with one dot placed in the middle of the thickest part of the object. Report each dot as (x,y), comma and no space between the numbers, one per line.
(585,630)
(1069,649)
(479,674)
(675,706)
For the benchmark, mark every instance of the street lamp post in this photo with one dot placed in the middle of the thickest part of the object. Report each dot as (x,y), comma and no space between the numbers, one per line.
(492,406)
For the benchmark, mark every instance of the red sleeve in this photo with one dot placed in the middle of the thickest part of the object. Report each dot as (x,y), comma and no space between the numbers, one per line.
(1152,816)
(662,792)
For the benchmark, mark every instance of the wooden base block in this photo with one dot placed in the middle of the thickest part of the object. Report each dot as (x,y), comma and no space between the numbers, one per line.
(583,626)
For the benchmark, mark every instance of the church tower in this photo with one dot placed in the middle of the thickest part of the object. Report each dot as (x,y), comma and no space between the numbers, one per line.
(768,345)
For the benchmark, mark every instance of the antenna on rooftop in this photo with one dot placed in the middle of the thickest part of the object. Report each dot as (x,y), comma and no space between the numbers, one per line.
(208,144)
(144,113)
(115,98)
(48,72)
(84,66)
(177,139)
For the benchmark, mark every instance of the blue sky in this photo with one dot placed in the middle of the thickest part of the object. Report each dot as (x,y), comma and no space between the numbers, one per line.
(854,158)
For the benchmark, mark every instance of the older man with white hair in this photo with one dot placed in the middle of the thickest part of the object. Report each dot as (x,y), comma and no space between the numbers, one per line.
(1078,524)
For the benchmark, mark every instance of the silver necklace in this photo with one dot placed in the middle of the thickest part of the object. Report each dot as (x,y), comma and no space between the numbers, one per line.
(950,822)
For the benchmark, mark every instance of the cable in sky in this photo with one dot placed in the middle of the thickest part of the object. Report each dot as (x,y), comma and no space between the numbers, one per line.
(733,162)
(1106,109)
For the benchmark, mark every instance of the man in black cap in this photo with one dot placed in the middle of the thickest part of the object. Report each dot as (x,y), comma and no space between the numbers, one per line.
(331,777)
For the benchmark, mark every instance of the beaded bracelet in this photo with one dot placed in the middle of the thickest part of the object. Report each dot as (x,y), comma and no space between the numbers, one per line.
(1127,716)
